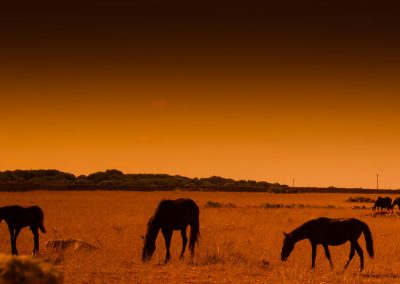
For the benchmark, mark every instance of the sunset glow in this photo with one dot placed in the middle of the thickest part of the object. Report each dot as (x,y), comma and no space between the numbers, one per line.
(250,98)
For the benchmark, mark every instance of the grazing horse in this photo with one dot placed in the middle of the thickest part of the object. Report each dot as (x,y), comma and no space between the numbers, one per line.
(396,202)
(330,232)
(383,202)
(172,215)
(18,217)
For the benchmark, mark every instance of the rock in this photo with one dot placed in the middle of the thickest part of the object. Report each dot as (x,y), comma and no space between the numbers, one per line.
(64,244)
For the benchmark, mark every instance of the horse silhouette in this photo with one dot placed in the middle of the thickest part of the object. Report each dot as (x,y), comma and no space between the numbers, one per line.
(330,232)
(383,202)
(172,215)
(396,202)
(18,217)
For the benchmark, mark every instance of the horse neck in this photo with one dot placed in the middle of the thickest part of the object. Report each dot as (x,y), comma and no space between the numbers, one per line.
(152,229)
(3,214)
(299,234)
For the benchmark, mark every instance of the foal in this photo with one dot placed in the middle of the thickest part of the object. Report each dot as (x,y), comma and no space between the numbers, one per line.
(330,232)
(18,217)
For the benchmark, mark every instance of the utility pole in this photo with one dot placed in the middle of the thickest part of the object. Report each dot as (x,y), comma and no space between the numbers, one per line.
(377,181)
(293,183)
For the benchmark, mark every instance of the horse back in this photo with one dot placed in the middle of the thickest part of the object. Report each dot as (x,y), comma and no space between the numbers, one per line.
(334,231)
(23,216)
(177,213)
(383,202)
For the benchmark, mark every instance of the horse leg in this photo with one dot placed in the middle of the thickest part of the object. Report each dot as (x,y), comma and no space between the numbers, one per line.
(352,251)
(184,242)
(16,233)
(11,230)
(313,254)
(35,233)
(361,255)
(328,255)
(167,233)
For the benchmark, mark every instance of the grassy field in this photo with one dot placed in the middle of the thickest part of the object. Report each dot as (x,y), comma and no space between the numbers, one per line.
(238,245)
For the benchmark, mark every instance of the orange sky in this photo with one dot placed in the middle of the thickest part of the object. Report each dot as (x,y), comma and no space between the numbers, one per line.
(279,104)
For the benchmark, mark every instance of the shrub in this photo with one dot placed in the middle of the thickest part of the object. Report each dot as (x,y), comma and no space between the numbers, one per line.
(360,199)
(272,205)
(23,269)
(213,204)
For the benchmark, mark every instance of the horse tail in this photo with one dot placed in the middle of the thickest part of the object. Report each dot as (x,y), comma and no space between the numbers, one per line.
(368,240)
(41,226)
(42,229)
(194,231)
(40,218)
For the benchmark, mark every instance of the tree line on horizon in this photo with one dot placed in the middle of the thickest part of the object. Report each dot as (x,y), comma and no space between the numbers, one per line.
(117,179)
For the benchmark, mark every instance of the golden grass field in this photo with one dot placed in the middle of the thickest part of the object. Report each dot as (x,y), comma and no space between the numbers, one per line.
(237,245)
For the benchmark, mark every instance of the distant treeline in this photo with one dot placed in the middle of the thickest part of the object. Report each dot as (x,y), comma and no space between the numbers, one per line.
(20,180)
(25,180)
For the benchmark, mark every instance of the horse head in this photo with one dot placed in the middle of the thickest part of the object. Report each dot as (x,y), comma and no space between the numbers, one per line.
(149,246)
(396,202)
(288,246)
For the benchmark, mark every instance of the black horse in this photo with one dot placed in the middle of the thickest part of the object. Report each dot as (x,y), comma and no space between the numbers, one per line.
(383,202)
(396,202)
(18,217)
(172,215)
(330,232)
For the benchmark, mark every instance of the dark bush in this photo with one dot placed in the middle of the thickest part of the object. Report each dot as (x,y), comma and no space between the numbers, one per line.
(360,199)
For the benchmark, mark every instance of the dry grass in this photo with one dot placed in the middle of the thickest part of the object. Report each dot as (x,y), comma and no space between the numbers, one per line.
(238,244)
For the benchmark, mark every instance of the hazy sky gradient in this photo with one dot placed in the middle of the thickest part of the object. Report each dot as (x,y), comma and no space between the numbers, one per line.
(238,89)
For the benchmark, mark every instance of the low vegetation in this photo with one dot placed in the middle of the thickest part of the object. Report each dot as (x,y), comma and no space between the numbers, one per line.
(360,199)
(215,204)
(297,206)
(60,245)
(26,270)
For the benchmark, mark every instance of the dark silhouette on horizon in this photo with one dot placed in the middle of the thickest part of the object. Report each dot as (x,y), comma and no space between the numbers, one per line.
(18,217)
(330,232)
(383,202)
(115,179)
(172,215)
(396,202)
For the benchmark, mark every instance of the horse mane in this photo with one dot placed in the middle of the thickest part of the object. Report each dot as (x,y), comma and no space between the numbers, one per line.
(153,226)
